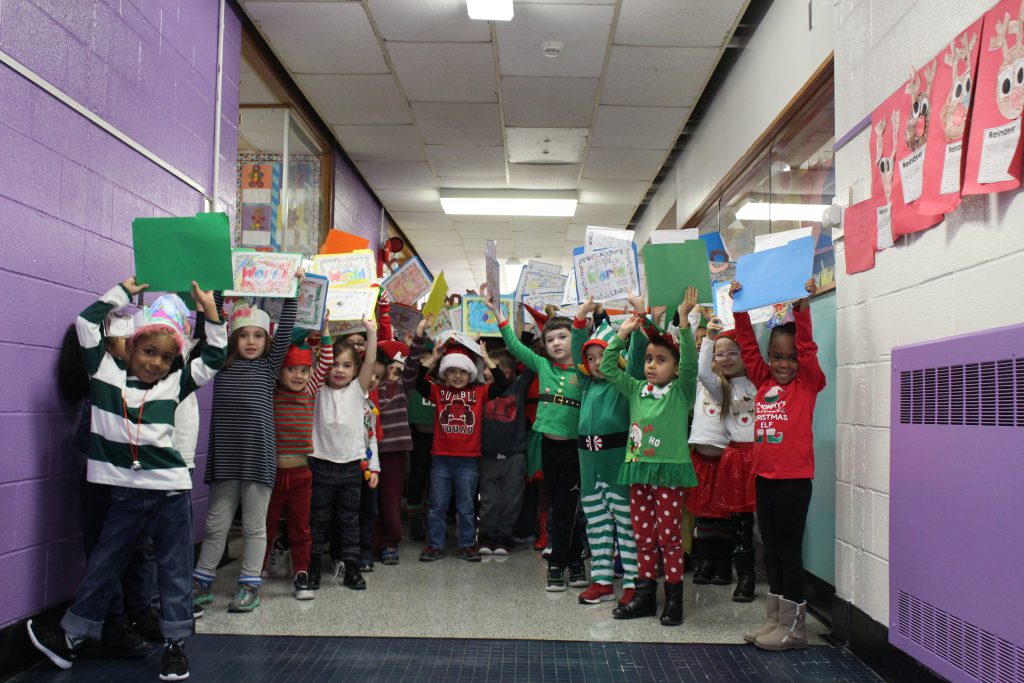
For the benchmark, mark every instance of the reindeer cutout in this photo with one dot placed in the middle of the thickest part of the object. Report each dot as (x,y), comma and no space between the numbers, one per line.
(958,103)
(920,105)
(1010,79)
(886,164)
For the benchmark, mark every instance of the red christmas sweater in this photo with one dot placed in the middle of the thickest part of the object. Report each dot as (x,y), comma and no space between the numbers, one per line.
(783,433)
(459,413)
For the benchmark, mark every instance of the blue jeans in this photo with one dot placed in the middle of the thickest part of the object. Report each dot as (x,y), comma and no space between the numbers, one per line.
(166,516)
(449,472)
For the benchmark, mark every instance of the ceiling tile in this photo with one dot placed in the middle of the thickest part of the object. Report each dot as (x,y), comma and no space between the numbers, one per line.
(637,127)
(623,164)
(603,214)
(546,145)
(548,102)
(410,200)
(381,143)
(445,72)
(458,123)
(459,161)
(397,175)
(432,248)
(542,224)
(437,237)
(420,221)
(472,183)
(678,23)
(657,76)
(320,37)
(356,99)
(533,240)
(427,20)
(613,191)
(576,233)
(484,231)
(544,176)
(584,30)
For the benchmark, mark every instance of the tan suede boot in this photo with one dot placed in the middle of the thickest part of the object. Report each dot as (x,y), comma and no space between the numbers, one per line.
(791,634)
(771,622)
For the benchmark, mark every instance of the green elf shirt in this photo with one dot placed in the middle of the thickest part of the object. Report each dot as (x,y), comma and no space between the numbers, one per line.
(604,409)
(558,389)
(657,448)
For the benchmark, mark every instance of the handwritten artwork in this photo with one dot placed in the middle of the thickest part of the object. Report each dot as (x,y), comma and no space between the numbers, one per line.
(261,273)
(409,283)
(492,266)
(342,270)
(351,303)
(478,319)
(312,302)
(597,238)
(607,275)
(547,297)
(537,276)
(446,320)
(405,319)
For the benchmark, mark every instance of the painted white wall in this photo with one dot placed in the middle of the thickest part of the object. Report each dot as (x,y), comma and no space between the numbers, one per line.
(931,285)
(781,57)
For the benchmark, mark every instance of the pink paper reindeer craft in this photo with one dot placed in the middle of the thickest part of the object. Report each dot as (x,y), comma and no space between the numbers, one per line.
(1010,78)
(958,103)
(886,164)
(920,96)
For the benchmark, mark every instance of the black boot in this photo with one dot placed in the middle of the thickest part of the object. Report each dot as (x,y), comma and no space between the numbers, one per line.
(702,560)
(721,563)
(743,556)
(120,641)
(672,613)
(353,578)
(315,563)
(643,604)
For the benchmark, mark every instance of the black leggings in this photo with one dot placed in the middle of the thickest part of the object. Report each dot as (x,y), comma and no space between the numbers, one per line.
(561,463)
(782,515)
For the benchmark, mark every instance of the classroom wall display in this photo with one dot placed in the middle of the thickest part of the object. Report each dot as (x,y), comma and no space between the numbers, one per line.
(312,302)
(950,115)
(994,139)
(265,274)
(606,275)
(172,252)
(477,318)
(342,270)
(351,303)
(859,233)
(409,283)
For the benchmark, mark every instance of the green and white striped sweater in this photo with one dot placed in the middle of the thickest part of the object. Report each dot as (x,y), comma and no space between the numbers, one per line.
(115,394)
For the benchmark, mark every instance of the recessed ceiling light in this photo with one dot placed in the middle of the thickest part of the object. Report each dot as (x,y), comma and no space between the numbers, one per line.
(508,203)
(490,10)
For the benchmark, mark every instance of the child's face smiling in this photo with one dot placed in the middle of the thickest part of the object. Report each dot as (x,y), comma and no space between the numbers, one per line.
(358,341)
(660,366)
(150,357)
(456,378)
(294,377)
(727,357)
(782,358)
(593,356)
(252,342)
(342,372)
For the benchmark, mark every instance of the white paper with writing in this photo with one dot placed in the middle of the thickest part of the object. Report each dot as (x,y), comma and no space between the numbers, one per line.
(912,175)
(607,275)
(884,227)
(606,238)
(997,152)
(951,168)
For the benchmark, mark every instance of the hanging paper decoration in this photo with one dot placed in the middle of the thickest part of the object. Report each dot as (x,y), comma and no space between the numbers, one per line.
(914,107)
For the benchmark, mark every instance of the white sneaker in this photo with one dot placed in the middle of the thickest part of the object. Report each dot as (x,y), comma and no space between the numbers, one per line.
(279,565)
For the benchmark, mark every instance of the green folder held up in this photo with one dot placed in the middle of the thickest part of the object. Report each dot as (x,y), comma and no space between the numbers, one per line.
(172,252)
(671,268)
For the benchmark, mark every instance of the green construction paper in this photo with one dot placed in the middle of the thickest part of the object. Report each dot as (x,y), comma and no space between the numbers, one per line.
(671,268)
(172,252)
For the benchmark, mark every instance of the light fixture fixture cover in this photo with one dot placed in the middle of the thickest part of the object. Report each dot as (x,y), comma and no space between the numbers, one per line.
(490,10)
(508,203)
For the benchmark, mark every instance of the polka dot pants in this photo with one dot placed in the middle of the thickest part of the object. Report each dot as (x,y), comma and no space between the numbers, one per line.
(657,517)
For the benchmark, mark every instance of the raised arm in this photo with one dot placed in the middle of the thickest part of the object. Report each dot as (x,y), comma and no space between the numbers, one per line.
(88,325)
(213,352)
(323,363)
(687,348)
(412,364)
(614,375)
(712,383)
(581,333)
(283,335)
(366,369)
(757,370)
(806,350)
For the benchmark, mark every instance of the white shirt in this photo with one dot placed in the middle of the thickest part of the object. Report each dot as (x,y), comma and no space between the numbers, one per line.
(739,415)
(186,429)
(339,434)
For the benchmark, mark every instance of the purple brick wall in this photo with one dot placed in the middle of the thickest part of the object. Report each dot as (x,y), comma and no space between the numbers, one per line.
(67,200)
(355,209)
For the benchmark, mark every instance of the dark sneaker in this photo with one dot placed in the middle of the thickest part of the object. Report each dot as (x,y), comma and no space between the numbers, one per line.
(389,556)
(174,663)
(121,641)
(431,554)
(302,589)
(315,562)
(469,554)
(52,643)
(247,598)
(147,625)
(198,611)
(202,593)
(578,576)
(556,579)
(353,577)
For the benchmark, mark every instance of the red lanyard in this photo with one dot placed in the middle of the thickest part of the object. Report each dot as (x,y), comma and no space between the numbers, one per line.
(133,445)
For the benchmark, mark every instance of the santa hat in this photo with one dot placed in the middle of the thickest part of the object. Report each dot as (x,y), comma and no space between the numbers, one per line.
(167,313)
(601,337)
(244,314)
(460,357)
(656,334)
(389,352)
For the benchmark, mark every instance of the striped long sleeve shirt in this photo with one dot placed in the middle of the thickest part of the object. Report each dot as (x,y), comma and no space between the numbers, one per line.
(242,441)
(132,419)
(393,400)
(293,410)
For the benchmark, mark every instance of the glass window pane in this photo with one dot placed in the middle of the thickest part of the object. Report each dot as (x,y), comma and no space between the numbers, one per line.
(303,197)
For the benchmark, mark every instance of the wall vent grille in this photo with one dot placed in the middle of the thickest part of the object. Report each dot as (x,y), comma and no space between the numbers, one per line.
(988,394)
(983,656)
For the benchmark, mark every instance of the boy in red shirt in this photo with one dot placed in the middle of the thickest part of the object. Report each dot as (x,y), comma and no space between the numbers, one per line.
(787,389)
(459,397)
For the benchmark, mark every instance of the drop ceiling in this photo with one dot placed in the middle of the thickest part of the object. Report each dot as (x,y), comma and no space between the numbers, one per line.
(423,98)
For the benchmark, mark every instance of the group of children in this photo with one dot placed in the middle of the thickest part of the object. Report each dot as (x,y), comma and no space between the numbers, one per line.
(324,441)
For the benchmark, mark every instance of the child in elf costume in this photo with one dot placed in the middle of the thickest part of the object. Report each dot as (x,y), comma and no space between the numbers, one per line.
(657,467)
(604,418)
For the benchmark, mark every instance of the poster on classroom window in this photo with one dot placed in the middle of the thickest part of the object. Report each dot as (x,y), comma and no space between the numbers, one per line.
(994,139)
(950,117)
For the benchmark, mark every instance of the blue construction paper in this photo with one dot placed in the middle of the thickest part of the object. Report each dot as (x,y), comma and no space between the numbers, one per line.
(773,276)
(716,247)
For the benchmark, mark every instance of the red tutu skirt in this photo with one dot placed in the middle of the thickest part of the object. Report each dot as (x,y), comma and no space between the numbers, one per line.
(725,484)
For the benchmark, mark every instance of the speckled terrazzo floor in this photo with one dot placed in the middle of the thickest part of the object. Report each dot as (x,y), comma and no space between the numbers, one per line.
(456,599)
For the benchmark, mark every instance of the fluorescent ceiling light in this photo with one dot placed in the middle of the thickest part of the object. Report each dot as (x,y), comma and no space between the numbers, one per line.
(762,211)
(508,203)
(490,10)
(510,271)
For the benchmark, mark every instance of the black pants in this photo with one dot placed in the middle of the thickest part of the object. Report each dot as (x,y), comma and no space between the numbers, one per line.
(782,515)
(561,462)
(334,507)
(419,472)
(367,516)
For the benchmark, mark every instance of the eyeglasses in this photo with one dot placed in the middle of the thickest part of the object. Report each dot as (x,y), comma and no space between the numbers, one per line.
(722,355)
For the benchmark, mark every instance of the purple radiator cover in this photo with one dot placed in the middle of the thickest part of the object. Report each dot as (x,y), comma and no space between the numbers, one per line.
(956,525)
